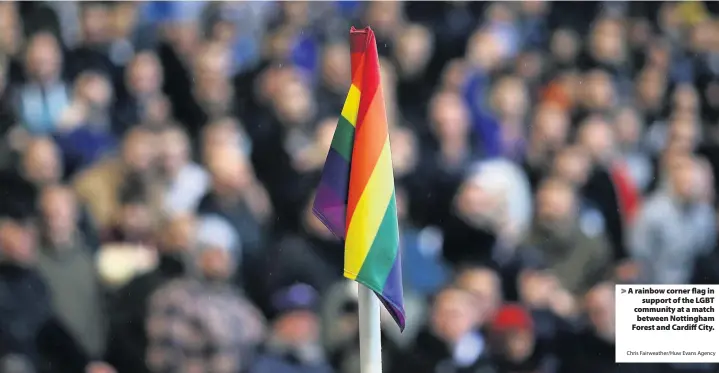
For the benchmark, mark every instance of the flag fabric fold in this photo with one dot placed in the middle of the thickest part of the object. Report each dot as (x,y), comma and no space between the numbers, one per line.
(356,197)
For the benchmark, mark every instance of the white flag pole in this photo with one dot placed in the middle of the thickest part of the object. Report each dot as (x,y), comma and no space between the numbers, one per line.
(369,328)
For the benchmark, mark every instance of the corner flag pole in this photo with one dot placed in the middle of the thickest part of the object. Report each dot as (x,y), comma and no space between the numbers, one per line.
(356,199)
(369,330)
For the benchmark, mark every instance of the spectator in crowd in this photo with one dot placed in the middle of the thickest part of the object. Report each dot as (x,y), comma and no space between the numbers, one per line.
(93,49)
(67,266)
(334,79)
(31,335)
(293,345)
(451,341)
(605,187)
(41,164)
(552,311)
(223,326)
(224,132)
(84,128)
(44,98)
(99,186)
(675,226)
(128,336)
(548,134)
(572,165)
(31,310)
(134,221)
(143,101)
(578,255)
(185,181)
(236,195)
(515,343)
(486,285)
(629,128)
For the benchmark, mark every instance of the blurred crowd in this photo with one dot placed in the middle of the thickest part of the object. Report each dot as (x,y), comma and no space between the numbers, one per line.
(158,161)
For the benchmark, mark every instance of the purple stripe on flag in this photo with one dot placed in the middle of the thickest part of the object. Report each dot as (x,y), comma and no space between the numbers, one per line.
(330,209)
(392,294)
(336,173)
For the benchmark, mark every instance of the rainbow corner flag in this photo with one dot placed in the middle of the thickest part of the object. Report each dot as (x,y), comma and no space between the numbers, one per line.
(356,198)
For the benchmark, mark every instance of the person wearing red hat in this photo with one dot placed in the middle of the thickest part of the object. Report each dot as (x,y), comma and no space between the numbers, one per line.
(514,344)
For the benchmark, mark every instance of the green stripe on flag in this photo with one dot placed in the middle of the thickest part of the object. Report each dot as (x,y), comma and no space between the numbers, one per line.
(380,259)
(343,140)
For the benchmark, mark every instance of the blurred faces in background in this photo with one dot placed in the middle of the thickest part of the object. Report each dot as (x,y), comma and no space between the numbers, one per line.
(144,75)
(218,248)
(556,205)
(174,153)
(10,36)
(484,51)
(479,206)
(450,117)
(42,163)
(512,331)
(336,67)
(386,18)
(404,151)
(651,85)
(230,172)
(178,235)
(486,286)
(599,304)
(600,94)
(607,41)
(59,212)
(184,37)
(572,164)
(628,128)
(549,130)
(135,219)
(413,50)
(212,90)
(596,136)
(510,99)
(453,315)
(96,24)
(140,151)
(18,242)
(94,89)
(684,177)
(225,132)
(294,104)
(565,47)
(43,58)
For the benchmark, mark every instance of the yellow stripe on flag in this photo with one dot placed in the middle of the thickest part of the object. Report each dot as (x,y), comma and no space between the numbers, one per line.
(369,213)
(351,106)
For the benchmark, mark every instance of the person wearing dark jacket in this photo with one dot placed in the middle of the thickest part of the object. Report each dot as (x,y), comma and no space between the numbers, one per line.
(294,342)
(602,187)
(450,343)
(68,267)
(314,256)
(29,331)
(578,256)
(127,342)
